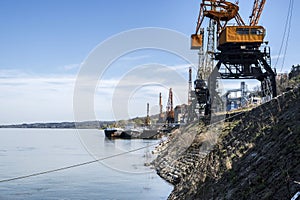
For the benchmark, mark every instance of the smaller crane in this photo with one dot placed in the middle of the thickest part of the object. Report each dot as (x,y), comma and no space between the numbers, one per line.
(170,111)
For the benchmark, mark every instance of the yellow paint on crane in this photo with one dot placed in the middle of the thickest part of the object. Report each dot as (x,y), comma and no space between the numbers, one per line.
(242,34)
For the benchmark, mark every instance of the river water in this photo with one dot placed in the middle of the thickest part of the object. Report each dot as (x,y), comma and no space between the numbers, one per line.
(28,151)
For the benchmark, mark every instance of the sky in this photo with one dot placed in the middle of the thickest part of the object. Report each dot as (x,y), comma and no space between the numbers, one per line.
(45,44)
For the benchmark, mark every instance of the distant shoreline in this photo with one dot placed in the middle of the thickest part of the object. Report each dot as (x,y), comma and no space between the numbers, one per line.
(62,125)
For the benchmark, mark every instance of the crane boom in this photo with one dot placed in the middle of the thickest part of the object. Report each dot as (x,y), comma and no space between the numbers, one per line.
(256,11)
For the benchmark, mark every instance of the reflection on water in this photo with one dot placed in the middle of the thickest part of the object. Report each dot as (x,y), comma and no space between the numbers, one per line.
(26,151)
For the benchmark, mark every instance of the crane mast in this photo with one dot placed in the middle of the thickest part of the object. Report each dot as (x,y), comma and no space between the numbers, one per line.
(210,50)
(190,87)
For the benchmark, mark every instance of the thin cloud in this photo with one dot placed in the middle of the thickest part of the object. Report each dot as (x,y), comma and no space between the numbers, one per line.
(39,97)
(71,67)
(136,88)
(133,58)
(35,98)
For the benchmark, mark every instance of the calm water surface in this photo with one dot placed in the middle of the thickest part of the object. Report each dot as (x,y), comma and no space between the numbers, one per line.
(27,151)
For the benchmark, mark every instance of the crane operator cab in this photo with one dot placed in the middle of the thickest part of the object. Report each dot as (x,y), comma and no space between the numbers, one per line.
(241,37)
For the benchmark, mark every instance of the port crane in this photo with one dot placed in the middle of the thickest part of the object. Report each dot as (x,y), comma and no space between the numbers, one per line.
(170,118)
(238,54)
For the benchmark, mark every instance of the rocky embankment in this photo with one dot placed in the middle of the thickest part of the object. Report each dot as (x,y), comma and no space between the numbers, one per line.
(255,155)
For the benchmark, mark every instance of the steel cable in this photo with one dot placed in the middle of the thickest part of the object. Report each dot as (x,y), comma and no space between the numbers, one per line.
(286,34)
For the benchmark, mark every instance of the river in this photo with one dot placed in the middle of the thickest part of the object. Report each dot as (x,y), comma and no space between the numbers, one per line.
(28,151)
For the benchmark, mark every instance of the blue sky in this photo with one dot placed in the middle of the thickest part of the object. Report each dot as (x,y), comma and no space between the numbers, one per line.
(43,44)
(45,35)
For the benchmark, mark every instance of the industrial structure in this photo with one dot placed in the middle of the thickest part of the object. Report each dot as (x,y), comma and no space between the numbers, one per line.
(295,71)
(179,112)
(191,111)
(161,114)
(236,98)
(169,109)
(238,54)
(147,119)
(190,87)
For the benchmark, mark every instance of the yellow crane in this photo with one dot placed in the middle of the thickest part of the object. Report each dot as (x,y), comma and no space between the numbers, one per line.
(238,54)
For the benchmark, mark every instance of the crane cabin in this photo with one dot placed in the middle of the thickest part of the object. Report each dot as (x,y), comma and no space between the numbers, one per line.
(241,37)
